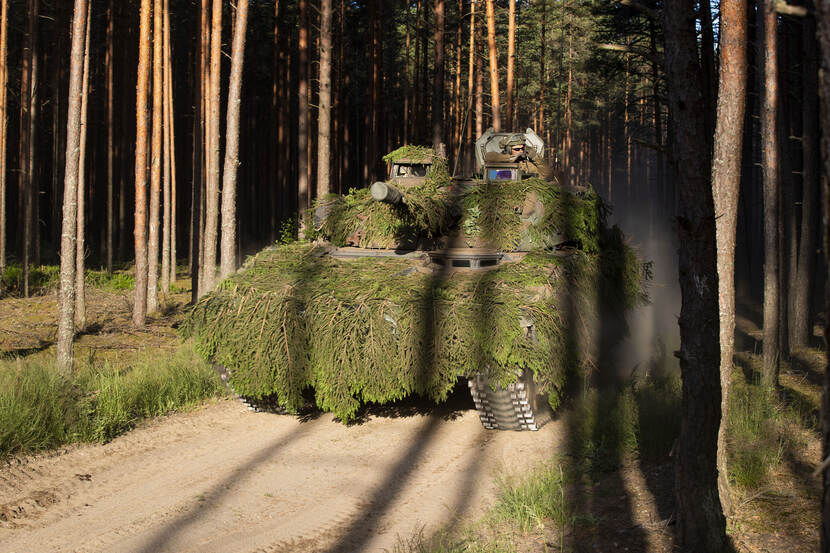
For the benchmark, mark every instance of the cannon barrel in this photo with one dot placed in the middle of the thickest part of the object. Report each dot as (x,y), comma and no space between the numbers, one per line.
(383,192)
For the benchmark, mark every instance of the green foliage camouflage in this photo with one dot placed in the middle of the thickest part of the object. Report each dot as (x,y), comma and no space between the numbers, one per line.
(492,215)
(379,329)
(415,154)
(425,215)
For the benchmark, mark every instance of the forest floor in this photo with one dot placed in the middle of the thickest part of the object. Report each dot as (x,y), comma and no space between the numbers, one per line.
(406,477)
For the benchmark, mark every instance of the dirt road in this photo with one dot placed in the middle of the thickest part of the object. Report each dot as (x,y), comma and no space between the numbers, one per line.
(223,479)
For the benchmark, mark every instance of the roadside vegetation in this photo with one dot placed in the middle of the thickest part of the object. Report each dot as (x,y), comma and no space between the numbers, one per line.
(618,467)
(122,375)
(40,410)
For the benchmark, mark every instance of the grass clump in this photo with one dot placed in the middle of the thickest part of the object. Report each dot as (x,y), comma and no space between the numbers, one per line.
(754,431)
(113,282)
(529,503)
(639,420)
(39,409)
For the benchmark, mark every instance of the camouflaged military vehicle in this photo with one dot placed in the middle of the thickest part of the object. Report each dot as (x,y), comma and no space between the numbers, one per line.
(411,284)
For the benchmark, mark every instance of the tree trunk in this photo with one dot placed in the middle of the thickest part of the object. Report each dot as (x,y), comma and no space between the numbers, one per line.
(770,164)
(24,179)
(494,67)
(212,195)
(108,62)
(303,197)
(324,116)
(228,265)
(66,298)
(471,65)
(155,161)
(80,265)
(801,321)
(165,116)
(171,136)
(823,20)
(541,127)
(511,61)
(33,199)
(4,120)
(707,60)
(140,303)
(479,86)
(700,522)
(438,78)
(726,180)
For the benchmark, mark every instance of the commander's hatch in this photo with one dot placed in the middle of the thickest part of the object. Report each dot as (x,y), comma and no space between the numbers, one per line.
(490,141)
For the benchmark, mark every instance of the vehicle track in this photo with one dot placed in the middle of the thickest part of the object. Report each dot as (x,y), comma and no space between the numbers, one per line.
(223,478)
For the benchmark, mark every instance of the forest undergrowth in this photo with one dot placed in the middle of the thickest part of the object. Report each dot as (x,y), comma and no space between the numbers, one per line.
(122,375)
(612,488)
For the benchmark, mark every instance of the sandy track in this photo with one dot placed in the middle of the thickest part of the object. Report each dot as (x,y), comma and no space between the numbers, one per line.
(223,479)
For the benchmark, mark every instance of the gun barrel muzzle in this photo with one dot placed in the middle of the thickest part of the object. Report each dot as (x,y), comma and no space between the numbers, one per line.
(383,192)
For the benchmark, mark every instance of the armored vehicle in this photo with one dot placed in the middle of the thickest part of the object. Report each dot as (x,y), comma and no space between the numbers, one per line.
(408,285)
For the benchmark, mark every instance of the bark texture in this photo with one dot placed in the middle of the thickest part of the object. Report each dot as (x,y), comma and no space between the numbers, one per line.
(701,525)
(726,180)
(228,257)
(66,298)
(324,114)
(212,192)
(438,77)
(823,20)
(770,167)
(494,67)
(140,302)
(80,265)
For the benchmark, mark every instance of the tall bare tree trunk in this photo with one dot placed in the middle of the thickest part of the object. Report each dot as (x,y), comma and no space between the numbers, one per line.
(801,322)
(165,116)
(770,164)
(171,146)
(33,201)
(324,114)
(479,101)
(511,60)
(494,67)
(823,35)
(155,162)
(108,62)
(303,197)
(438,78)
(471,65)
(66,299)
(140,233)
(24,138)
(726,180)
(228,264)
(212,196)
(700,522)
(80,265)
(4,121)
(542,76)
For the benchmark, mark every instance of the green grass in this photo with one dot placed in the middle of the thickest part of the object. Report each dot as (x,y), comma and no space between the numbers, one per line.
(640,420)
(45,278)
(531,502)
(115,282)
(762,425)
(42,279)
(40,410)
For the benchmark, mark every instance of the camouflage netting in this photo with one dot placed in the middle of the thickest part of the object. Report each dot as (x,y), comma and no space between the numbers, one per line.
(492,215)
(377,330)
(487,215)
